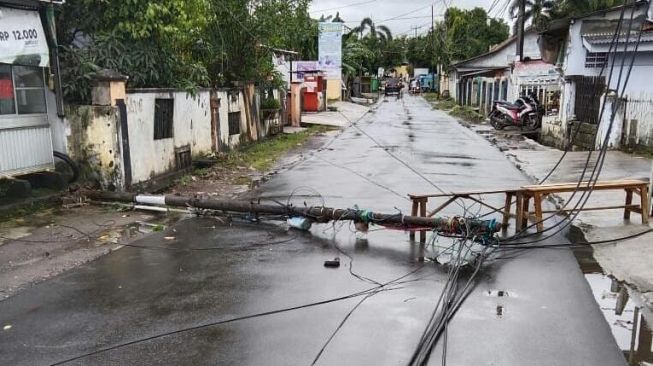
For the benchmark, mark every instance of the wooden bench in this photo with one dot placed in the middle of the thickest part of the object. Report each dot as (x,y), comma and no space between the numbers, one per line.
(421,200)
(538,192)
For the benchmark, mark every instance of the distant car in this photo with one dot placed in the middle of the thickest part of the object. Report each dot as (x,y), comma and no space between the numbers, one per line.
(393,86)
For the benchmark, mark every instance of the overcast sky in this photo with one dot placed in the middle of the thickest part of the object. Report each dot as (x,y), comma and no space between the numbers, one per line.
(408,13)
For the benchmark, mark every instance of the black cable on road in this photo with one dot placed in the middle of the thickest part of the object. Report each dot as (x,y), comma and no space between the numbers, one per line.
(236,319)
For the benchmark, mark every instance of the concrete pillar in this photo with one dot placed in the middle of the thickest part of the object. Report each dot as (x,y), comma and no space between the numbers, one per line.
(108,86)
(295,104)
(334,89)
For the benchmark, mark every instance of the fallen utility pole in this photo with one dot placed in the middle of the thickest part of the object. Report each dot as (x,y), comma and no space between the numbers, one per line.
(457,226)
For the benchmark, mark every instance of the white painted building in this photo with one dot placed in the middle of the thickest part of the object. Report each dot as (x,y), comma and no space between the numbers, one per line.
(499,75)
(585,55)
(27,104)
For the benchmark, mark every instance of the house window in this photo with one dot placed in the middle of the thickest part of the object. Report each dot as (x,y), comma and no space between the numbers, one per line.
(596,59)
(234,123)
(163,122)
(22,90)
(7,100)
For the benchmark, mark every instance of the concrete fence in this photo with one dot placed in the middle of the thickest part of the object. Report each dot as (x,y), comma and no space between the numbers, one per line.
(149,136)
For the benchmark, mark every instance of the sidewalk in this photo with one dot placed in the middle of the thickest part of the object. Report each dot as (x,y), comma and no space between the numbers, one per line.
(347,113)
(628,261)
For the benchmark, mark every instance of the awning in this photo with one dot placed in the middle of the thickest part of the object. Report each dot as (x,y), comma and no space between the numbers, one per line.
(22,39)
(481,72)
(598,36)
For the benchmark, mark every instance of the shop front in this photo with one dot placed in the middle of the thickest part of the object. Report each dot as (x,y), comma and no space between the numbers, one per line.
(25,136)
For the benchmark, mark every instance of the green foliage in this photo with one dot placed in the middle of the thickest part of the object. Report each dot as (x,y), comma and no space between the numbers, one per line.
(180,43)
(270,103)
(470,33)
(564,8)
(466,113)
(537,12)
(143,62)
(540,12)
(262,155)
(242,31)
(461,35)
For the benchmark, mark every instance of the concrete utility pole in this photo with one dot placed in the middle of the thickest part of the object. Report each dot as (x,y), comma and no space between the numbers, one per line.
(317,214)
(520,29)
(433,48)
(650,191)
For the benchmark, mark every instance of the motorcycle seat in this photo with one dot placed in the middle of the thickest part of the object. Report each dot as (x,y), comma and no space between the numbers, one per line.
(509,105)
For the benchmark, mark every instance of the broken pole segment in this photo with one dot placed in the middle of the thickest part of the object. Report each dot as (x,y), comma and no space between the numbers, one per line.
(452,226)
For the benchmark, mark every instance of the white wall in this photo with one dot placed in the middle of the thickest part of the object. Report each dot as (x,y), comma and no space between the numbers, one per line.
(58,126)
(191,126)
(507,55)
(231,101)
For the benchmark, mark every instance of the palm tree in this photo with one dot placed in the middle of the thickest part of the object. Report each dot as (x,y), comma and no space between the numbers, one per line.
(537,12)
(380,32)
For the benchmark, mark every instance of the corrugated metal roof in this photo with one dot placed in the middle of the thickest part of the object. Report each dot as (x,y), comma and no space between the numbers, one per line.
(606,38)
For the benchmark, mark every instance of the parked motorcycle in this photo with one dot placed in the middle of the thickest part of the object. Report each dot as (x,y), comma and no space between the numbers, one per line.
(525,113)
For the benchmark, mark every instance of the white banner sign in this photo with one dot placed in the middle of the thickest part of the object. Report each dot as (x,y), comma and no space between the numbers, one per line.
(330,49)
(22,39)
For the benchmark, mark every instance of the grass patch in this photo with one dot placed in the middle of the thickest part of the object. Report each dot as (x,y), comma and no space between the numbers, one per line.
(466,113)
(430,97)
(185,180)
(263,154)
(446,104)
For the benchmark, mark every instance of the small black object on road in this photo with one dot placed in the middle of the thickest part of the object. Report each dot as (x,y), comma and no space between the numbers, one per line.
(335,263)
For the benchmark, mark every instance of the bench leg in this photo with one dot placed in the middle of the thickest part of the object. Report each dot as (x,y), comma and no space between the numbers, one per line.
(506,212)
(525,212)
(537,203)
(645,205)
(413,212)
(422,213)
(519,215)
(629,201)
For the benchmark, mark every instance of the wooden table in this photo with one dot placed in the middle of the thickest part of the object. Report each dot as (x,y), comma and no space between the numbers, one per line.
(538,192)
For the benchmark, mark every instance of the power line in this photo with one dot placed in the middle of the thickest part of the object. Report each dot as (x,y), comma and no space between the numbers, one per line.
(369,291)
(596,171)
(344,6)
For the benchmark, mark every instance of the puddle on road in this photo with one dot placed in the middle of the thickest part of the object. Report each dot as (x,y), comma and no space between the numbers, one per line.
(606,292)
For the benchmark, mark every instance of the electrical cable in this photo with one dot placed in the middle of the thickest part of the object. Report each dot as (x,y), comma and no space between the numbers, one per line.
(600,160)
(235,319)
(352,310)
(404,197)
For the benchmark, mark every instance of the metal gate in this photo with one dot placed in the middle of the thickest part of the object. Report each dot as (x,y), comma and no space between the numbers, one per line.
(588,98)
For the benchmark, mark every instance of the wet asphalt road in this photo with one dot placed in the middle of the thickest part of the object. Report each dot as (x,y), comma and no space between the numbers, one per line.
(549,317)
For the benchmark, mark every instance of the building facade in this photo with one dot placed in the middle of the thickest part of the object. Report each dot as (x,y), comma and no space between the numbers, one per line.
(28,101)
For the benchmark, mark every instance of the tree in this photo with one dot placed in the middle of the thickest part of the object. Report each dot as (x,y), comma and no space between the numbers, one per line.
(565,8)
(179,43)
(537,12)
(469,33)
(368,29)
(154,43)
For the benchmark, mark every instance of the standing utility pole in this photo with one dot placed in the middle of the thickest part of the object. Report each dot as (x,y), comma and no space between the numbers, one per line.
(433,49)
(520,29)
